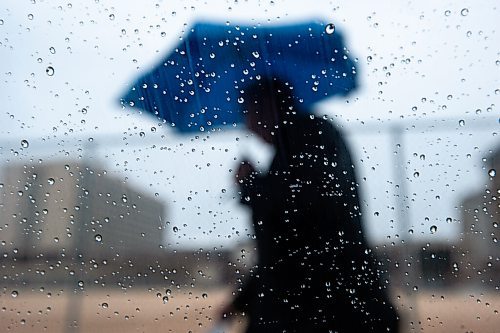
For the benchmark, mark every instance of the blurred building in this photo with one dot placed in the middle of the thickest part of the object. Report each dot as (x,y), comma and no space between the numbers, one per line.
(63,220)
(478,257)
(58,208)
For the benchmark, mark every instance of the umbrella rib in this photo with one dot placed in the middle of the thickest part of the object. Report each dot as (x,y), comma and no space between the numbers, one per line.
(191,68)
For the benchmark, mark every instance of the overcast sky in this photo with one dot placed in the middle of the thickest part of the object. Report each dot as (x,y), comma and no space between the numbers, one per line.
(65,64)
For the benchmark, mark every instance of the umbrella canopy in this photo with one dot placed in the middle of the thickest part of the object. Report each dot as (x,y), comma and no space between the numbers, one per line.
(200,84)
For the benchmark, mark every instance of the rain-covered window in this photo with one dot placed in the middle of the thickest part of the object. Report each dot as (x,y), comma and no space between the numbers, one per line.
(249,166)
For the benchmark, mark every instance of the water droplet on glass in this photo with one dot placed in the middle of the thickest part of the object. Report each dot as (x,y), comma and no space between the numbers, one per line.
(14,293)
(433,229)
(80,284)
(204,295)
(447,13)
(492,172)
(410,231)
(142,134)
(330,28)
(30,16)
(464,12)
(50,71)
(165,299)
(25,144)
(461,123)
(104,305)
(175,229)
(111,17)
(416,174)
(52,50)
(98,238)
(51,181)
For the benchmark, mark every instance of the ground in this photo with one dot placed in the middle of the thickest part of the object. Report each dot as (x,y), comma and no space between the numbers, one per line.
(143,309)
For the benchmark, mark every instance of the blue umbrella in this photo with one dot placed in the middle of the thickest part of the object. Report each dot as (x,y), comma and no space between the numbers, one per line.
(200,84)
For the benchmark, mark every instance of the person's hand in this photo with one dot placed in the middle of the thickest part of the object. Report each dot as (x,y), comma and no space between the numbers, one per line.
(245,169)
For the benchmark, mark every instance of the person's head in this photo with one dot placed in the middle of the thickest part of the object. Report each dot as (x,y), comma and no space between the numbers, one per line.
(268,104)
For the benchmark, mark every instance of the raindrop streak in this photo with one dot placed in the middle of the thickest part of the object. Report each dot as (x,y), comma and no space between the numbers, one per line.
(25,144)
(330,28)
(50,71)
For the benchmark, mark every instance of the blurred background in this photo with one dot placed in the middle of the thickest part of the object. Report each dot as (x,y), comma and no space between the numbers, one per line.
(112,220)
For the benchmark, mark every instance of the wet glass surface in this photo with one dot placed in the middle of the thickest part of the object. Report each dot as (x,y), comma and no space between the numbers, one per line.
(113,217)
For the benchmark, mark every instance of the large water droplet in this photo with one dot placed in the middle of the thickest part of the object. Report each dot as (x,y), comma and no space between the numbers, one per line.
(464,12)
(50,71)
(330,28)
(98,238)
(25,144)
(14,293)
(51,181)
(433,229)
(492,172)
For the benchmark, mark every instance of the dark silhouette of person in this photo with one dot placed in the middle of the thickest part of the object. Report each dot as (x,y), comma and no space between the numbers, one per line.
(315,271)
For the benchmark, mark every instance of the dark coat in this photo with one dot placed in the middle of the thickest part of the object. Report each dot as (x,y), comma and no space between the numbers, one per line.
(315,270)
